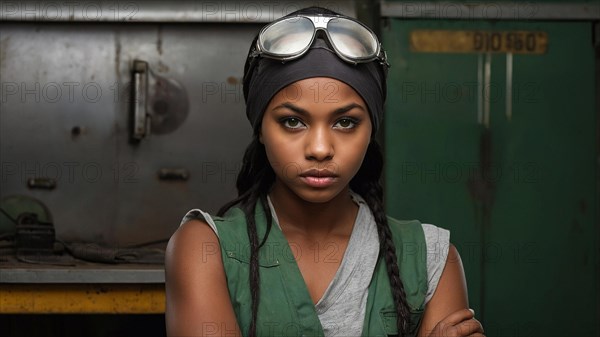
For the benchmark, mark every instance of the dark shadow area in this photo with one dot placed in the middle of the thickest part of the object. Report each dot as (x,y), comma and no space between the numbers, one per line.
(82,325)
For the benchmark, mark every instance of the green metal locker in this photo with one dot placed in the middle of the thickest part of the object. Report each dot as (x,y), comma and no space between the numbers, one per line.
(501,149)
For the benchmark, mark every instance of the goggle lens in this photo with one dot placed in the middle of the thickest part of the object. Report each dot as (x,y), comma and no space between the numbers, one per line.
(352,39)
(287,37)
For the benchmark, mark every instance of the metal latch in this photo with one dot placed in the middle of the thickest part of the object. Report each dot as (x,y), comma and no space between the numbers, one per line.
(140,117)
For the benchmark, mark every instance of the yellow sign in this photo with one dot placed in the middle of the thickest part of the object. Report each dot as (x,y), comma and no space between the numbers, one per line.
(478,41)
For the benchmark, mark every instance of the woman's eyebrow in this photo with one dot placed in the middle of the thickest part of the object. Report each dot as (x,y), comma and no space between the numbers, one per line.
(292,107)
(305,113)
(347,108)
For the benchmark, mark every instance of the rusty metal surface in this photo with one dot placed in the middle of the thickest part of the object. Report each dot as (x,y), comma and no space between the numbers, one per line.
(82,298)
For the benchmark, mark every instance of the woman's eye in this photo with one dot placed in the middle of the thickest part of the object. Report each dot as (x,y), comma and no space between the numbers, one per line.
(346,123)
(292,123)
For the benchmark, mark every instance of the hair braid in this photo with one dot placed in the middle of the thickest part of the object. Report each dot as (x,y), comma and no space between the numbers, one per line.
(366,183)
(253,182)
(254,276)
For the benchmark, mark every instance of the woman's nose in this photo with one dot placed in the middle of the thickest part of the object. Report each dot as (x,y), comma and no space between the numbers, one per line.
(319,145)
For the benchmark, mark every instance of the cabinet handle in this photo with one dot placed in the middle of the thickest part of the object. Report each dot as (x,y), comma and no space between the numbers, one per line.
(140,117)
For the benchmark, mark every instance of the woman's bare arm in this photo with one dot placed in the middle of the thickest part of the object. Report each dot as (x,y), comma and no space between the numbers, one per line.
(447,313)
(198,302)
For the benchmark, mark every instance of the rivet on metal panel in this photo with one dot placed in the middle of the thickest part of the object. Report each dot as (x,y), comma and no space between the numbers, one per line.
(75,131)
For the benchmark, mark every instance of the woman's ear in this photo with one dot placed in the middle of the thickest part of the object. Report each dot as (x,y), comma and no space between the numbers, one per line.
(260,139)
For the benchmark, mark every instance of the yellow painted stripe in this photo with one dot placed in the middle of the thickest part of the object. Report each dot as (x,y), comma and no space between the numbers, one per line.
(82,298)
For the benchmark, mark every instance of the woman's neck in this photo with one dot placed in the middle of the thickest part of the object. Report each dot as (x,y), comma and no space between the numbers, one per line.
(317,220)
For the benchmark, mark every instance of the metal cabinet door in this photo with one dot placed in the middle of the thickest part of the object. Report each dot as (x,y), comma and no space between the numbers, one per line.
(526,229)
(67,115)
(205,143)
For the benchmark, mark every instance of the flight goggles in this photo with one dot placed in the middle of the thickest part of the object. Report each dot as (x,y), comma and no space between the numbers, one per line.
(291,37)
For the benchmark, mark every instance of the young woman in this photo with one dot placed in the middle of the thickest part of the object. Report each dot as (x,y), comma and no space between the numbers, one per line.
(306,249)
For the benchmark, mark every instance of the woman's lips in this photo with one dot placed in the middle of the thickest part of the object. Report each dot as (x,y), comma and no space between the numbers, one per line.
(318,178)
(318,182)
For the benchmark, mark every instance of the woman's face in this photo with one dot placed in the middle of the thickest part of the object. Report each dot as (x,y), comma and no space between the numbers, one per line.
(316,133)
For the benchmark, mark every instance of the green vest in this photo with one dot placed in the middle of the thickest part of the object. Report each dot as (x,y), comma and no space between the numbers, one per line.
(286,308)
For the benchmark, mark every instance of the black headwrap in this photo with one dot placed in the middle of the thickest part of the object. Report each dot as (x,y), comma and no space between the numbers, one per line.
(265,77)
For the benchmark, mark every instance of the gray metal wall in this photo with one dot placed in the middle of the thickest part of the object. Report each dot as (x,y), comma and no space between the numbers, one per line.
(67,109)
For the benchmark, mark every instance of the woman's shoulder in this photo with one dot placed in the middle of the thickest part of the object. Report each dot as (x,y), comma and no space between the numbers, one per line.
(199,235)
(195,279)
(232,220)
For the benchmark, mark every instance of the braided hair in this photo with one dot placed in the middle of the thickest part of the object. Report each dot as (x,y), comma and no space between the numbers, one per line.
(253,183)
